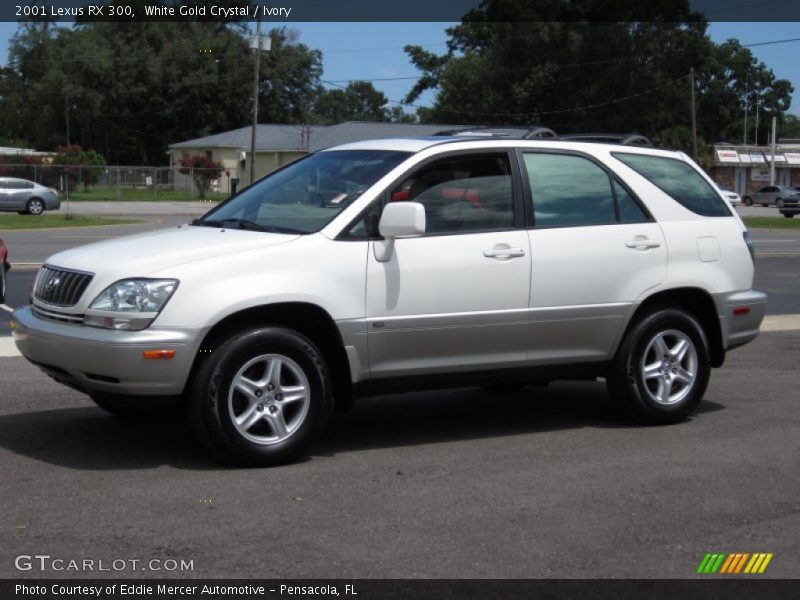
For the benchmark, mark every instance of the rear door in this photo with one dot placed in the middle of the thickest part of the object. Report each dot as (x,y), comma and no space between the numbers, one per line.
(594,251)
(455,299)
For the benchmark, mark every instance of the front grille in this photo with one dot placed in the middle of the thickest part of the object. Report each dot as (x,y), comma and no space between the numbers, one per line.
(60,287)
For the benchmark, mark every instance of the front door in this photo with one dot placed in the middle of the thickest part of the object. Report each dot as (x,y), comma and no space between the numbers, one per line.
(456,298)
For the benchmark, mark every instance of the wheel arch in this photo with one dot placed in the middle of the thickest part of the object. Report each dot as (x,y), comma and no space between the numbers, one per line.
(308,319)
(695,301)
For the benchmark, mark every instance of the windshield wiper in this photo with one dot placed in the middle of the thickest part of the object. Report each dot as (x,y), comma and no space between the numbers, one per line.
(245,224)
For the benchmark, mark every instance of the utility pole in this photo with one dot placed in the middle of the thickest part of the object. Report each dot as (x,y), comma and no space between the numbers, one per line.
(257,45)
(66,113)
(744,139)
(694,117)
(257,51)
(772,162)
(758,106)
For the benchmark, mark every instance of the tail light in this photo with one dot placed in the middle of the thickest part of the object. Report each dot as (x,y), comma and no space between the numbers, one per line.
(55,191)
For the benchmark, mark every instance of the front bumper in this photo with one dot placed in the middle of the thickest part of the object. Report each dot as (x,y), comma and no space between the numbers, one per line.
(102,360)
(740,315)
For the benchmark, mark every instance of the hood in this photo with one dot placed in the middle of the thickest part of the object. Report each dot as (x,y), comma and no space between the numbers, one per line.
(140,254)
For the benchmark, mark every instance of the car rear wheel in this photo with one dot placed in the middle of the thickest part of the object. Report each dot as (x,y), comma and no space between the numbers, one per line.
(262,397)
(662,368)
(34,207)
(788,215)
(748,201)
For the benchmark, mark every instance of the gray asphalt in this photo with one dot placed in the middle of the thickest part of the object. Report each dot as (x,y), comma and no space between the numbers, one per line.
(463,483)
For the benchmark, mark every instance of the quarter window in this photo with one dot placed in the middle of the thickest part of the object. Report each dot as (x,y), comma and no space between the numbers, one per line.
(462,194)
(679,180)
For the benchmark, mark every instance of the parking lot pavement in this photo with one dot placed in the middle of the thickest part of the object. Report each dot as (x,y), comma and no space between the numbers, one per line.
(462,484)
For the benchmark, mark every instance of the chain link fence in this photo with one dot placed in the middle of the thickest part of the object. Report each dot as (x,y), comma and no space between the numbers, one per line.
(128,183)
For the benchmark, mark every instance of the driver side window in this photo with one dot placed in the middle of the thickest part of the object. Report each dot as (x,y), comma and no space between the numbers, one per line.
(462,194)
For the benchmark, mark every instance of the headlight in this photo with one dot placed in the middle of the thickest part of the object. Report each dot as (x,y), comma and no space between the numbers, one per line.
(139,299)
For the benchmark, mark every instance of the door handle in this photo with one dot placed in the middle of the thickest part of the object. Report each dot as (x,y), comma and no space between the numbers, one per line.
(642,243)
(503,251)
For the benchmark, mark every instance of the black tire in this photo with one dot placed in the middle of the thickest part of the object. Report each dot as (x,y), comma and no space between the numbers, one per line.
(748,201)
(765,205)
(779,202)
(214,402)
(638,395)
(788,215)
(134,407)
(34,207)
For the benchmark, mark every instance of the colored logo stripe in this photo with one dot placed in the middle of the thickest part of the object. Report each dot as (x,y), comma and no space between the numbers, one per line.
(737,562)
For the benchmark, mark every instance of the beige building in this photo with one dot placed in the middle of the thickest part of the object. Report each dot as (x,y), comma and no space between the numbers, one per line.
(277,145)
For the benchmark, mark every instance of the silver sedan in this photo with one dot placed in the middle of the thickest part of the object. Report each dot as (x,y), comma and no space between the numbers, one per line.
(25,196)
(777,195)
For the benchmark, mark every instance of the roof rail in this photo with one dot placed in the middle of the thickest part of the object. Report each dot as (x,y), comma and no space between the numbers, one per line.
(539,132)
(525,133)
(624,139)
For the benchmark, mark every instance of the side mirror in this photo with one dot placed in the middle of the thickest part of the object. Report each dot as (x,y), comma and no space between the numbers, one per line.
(403,219)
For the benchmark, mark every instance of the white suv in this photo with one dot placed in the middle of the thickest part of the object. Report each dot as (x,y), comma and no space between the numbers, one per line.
(403,264)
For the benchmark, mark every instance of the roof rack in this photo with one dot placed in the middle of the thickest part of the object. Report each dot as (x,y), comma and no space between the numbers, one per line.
(538,132)
(624,139)
(525,133)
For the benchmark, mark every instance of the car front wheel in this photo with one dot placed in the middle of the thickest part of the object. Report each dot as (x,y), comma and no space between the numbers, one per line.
(788,215)
(748,201)
(34,207)
(662,368)
(262,397)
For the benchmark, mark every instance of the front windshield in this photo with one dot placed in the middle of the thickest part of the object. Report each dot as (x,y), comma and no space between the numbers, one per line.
(306,195)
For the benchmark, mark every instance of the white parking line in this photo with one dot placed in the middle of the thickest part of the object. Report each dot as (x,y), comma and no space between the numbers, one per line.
(8,347)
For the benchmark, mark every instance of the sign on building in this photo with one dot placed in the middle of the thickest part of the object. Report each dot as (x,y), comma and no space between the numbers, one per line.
(793,158)
(728,156)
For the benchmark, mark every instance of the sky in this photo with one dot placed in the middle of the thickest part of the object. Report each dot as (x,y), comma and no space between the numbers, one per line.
(374,51)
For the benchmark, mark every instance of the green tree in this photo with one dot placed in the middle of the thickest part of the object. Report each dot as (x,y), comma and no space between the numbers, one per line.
(359,101)
(130,90)
(592,67)
(731,81)
(79,166)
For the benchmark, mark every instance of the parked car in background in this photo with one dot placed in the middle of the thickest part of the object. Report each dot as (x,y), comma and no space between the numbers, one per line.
(26,197)
(791,207)
(773,195)
(4,266)
(734,198)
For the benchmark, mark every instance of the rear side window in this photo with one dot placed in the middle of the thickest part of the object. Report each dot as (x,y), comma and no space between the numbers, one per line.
(678,179)
(572,191)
